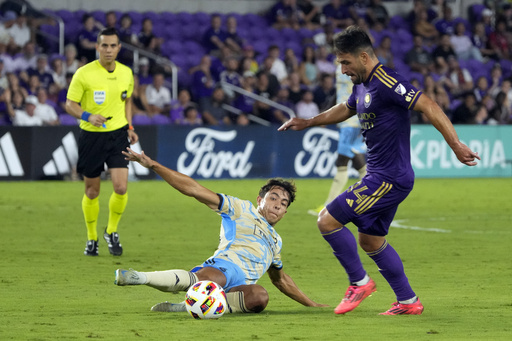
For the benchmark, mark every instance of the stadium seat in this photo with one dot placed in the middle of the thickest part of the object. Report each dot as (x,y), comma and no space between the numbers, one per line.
(140,120)
(161,119)
(67,120)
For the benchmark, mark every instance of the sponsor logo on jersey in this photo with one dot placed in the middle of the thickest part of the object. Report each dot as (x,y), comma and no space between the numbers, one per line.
(410,95)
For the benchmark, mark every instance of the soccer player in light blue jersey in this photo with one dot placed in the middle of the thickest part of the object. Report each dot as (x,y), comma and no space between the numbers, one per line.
(381,99)
(249,246)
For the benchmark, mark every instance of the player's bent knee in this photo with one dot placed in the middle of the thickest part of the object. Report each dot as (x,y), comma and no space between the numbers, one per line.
(258,302)
(326,222)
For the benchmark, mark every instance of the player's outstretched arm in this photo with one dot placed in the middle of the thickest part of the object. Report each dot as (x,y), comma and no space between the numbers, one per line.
(336,114)
(179,181)
(287,286)
(442,123)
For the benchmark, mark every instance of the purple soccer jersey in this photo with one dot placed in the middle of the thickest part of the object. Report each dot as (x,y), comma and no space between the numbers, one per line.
(382,104)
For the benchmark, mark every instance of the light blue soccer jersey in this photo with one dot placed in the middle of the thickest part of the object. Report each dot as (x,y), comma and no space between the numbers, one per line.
(247,239)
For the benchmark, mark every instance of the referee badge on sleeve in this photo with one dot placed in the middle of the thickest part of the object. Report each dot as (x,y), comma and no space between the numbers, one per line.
(99,96)
(124,94)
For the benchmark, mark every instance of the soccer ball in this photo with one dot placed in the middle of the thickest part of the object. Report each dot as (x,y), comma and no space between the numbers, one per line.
(206,300)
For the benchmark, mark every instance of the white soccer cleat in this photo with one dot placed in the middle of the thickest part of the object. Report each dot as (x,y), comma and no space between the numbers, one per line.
(126,277)
(168,307)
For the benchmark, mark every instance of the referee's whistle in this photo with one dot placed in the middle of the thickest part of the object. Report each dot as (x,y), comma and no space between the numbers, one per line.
(108,118)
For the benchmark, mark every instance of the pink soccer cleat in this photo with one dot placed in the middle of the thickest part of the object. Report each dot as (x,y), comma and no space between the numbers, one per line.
(355,295)
(415,308)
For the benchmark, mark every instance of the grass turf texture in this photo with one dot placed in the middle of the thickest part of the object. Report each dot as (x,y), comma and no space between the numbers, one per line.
(454,238)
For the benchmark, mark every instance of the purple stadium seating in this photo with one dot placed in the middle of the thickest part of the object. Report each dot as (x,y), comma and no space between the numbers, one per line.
(140,120)
(160,119)
(67,120)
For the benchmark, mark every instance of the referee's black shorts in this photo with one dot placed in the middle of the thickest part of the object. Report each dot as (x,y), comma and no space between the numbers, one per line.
(97,148)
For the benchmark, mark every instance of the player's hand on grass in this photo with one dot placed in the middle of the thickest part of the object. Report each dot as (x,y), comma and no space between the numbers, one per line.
(465,155)
(141,158)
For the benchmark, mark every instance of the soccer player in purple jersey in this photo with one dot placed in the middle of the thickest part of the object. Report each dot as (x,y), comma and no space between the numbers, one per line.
(381,99)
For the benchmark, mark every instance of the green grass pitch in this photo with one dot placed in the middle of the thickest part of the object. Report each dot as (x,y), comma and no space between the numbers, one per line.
(453,235)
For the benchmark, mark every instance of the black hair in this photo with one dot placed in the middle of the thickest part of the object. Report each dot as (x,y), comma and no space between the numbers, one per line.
(353,40)
(109,31)
(288,186)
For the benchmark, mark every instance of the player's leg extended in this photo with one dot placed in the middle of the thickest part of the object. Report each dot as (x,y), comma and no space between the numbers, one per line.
(391,267)
(118,199)
(344,247)
(166,281)
(91,206)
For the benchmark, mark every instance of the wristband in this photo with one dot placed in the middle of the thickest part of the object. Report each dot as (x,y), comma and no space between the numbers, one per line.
(85,116)
(130,127)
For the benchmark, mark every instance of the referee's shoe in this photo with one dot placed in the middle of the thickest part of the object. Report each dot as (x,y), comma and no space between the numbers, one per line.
(114,246)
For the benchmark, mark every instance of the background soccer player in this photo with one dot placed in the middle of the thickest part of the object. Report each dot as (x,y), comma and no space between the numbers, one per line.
(99,95)
(381,98)
(249,246)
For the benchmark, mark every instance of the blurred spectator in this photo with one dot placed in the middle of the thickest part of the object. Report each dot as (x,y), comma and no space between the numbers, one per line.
(231,76)
(45,110)
(111,19)
(323,93)
(14,85)
(273,82)
(324,63)
(325,37)
(462,44)
(158,96)
(481,90)
(58,73)
(6,22)
(466,112)
(20,33)
(306,107)
(358,8)
(263,89)
(377,15)
(25,60)
(145,76)
(460,80)
(212,109)
(418,7)
(295,88)
(214,38)
(446,24)
(481,41)
(147,39)
(126,33)
(442,53)
(487,20)
(482,114)
(280,116)
(202,81)
(191,117)
(243,102)
(248,62)
(139,101)
(425,29)
(278,67)
(87,36)
(498,40)
(285,13)
(496,80)
(500,113)
(22,112)
(308,70)
(71,63)
(4,82)
(311,14)
(290,61)
(384,53)
(179,105)
(61,97)
(233,40)
(42,71)
(33,84)
(337,13)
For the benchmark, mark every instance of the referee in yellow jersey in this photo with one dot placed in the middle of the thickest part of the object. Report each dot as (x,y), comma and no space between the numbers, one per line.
(99,95)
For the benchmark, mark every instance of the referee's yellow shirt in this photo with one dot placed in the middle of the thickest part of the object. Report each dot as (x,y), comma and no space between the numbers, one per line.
(102,93)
